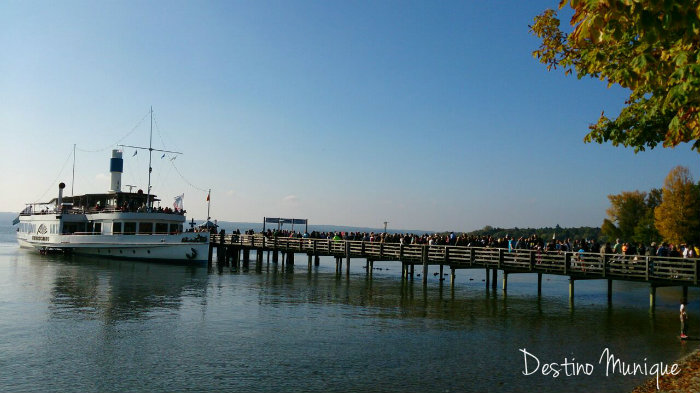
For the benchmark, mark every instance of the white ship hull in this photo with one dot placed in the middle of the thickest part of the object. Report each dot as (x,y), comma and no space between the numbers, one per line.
(167,248)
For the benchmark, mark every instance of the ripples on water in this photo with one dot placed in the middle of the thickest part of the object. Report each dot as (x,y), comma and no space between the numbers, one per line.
(76,324)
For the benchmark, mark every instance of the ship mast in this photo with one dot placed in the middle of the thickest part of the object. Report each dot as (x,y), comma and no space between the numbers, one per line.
(73,180)
(150,151)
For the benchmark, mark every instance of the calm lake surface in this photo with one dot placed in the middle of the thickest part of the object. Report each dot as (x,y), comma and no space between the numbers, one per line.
(70,324)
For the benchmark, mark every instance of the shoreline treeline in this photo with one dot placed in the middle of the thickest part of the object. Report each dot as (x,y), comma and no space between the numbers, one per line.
(558,232)
(670,214)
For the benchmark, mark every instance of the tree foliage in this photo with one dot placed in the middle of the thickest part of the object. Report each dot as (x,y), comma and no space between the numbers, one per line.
(645,231)
(609,229)
(631,216)
(626,209)
(677,216)
(649,47)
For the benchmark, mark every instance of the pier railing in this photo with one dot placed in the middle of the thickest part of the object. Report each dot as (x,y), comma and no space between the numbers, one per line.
(661,270)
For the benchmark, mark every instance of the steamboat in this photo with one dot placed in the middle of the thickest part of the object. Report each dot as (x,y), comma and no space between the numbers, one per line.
(114,224)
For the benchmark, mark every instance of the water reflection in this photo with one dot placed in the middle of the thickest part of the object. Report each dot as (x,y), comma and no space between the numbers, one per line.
(392,297)
(78,324)
(490,324)
(118,290)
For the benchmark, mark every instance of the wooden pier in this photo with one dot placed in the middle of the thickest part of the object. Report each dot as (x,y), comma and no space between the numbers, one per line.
(656,271)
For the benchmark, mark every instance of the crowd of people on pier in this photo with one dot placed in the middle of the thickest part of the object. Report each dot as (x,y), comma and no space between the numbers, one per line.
(533,242)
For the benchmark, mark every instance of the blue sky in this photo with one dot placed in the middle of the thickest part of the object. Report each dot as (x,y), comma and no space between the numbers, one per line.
(429,115)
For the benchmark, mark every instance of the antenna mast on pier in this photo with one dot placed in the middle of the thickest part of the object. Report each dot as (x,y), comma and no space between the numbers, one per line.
(208,204)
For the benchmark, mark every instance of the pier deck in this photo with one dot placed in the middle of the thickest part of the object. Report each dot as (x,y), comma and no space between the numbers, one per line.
(657,271)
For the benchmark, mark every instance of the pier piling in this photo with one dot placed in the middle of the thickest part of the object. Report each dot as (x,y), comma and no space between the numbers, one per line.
(571,289)
(246,258)
(424,257)
(209,257)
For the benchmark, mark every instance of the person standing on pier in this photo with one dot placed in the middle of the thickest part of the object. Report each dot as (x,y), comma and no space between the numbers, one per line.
(617,248)
(684,320)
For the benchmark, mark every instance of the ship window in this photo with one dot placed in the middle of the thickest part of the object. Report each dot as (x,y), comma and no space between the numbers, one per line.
(146,227)
(117,227)
(129,228)
(173,228)
(98,227)
(161,227)
(89,226)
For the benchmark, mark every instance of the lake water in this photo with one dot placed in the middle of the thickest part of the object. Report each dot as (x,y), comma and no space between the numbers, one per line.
(72,324)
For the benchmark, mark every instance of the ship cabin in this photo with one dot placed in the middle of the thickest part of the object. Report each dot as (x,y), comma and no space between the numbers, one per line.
(114,213)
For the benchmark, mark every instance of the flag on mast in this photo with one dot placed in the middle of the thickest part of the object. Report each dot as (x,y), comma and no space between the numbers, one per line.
(178,205)
(208,194)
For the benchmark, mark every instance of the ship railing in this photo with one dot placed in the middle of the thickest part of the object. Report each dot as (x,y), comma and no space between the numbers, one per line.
(123,233)
(39,212)
(119,210)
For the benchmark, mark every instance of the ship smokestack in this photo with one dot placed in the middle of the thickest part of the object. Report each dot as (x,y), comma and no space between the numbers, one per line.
(59,202)
(116,167)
